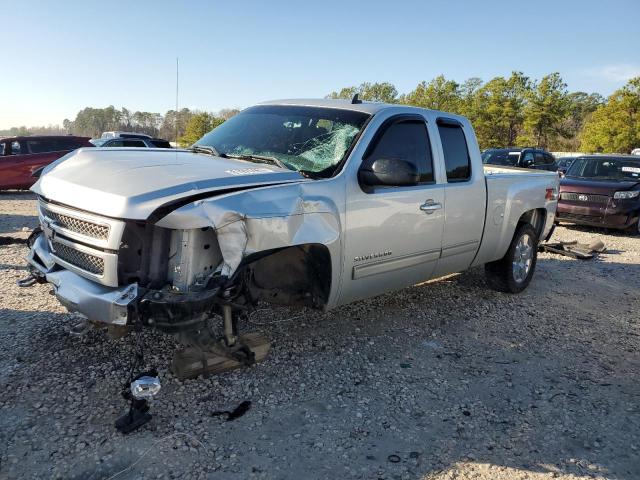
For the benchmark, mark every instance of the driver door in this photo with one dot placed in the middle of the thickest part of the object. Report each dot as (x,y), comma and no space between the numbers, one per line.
(394,233)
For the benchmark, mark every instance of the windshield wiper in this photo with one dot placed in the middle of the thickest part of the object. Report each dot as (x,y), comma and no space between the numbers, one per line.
(209,150)
(258,158)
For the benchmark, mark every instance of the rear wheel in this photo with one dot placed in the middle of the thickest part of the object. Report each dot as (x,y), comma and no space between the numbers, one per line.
(513,272)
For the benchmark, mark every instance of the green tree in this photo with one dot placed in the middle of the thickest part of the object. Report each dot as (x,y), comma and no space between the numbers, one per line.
(545,111)
(615,125)
(373,92)
(199,124)
(469,91)
(438,94)
(174,124)
(499,110)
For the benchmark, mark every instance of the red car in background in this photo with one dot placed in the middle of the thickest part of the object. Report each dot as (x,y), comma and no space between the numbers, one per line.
(21,156)
(602,191)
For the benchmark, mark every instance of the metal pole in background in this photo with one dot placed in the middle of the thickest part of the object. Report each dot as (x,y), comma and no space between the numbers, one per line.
(176,116)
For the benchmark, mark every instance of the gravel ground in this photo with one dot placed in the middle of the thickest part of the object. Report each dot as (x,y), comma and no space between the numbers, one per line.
(448,380)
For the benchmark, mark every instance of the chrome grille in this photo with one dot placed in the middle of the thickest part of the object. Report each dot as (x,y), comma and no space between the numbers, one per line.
(584,197)
(76,225)
(85,261)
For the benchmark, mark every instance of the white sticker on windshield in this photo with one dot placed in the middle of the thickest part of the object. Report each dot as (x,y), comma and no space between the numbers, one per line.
(631,169)
(248,171)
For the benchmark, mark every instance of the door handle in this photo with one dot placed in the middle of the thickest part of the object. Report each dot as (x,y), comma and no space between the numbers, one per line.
(430,206)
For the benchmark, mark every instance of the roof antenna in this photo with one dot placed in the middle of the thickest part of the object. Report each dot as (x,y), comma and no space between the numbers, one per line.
(355,99)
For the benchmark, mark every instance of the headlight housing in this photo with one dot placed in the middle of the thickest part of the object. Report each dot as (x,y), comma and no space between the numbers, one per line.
(626,195)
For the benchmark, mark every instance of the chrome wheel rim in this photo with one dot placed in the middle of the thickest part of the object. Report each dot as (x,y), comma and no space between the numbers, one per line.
(522,258)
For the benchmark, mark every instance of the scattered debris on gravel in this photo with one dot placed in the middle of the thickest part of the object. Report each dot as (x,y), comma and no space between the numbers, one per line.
(446,380)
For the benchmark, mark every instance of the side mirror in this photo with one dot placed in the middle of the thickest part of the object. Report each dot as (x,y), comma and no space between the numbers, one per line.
(389,172)
(528,163)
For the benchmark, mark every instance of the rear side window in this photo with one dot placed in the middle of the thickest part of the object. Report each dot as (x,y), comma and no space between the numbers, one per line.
(42,145)
(456,153)
(161,143)
(406,140)
(133,143)
(68,144)
(540,159)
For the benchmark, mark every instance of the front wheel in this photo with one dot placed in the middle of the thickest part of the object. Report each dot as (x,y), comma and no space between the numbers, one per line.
(513,272)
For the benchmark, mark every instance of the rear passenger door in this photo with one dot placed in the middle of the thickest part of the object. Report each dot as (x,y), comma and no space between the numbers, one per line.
(22,157)
(552,165)
(541,161)
(465,196)
(10,174)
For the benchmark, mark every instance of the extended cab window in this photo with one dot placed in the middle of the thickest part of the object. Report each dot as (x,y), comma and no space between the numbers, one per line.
(456,153)
(409,141)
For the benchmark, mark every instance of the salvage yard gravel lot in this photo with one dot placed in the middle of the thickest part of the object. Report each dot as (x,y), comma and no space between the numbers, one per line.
(446,380)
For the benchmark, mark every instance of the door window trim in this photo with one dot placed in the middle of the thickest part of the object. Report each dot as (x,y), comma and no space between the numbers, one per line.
(452,122)
(382,129)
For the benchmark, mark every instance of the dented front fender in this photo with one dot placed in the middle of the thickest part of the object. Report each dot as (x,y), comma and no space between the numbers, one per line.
(269,218)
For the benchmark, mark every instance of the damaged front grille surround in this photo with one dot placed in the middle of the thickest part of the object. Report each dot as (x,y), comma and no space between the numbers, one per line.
(83,242)
(84,227)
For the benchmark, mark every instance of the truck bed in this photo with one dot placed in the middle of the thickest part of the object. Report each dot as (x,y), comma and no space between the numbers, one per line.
(508,187)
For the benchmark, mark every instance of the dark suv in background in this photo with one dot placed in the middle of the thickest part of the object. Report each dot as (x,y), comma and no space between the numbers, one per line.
(520,157)
(20,157)
(124,139)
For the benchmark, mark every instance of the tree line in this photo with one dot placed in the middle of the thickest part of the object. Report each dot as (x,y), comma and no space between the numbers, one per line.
(520,111)
(186,125)
(513,111)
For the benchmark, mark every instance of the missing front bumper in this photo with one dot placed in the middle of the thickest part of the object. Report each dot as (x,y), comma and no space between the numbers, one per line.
(165,310)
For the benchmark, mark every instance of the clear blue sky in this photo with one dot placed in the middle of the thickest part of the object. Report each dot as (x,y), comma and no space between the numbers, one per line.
(60,56)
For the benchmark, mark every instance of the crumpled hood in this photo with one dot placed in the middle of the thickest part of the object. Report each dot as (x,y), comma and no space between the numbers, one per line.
(132,183)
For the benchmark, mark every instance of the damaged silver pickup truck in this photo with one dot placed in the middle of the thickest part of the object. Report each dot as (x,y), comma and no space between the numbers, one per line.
(312,203)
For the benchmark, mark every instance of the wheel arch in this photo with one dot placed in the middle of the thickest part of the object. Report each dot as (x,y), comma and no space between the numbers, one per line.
(296,275)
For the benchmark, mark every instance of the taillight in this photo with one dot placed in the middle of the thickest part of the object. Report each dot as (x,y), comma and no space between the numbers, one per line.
(551,194)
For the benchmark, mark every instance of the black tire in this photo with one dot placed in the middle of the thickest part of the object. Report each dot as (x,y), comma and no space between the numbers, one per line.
(635,228)
(500,274)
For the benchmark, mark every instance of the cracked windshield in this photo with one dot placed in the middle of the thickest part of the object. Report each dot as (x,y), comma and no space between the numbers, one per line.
(307,139)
